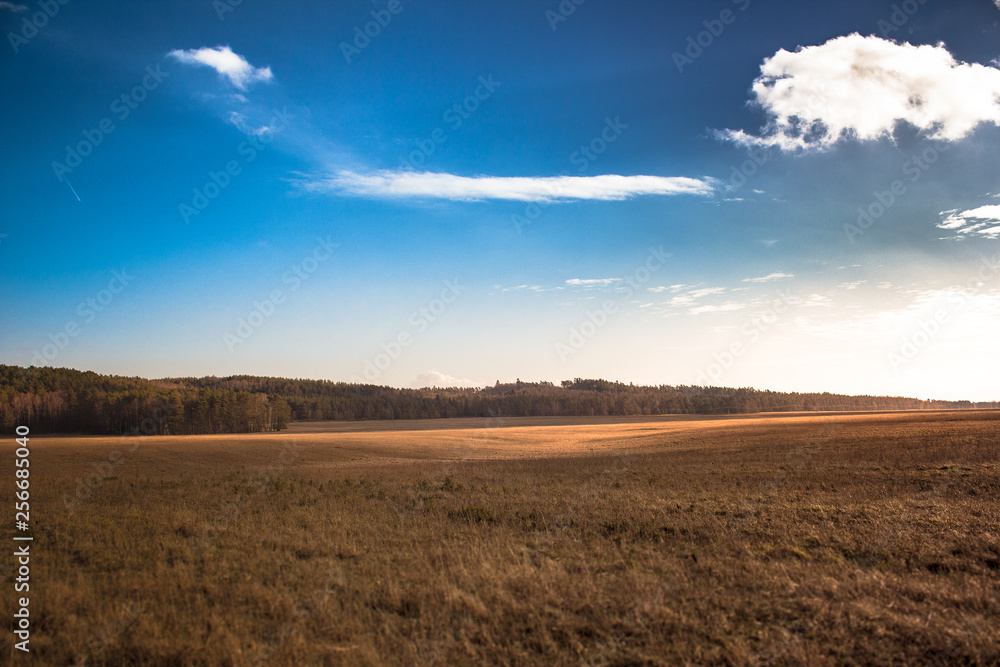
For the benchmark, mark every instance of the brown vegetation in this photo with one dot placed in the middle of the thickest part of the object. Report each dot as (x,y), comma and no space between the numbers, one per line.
(841,539)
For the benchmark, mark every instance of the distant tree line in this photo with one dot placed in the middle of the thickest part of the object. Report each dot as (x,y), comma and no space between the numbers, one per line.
(61,400)
(69,401)
(324,400)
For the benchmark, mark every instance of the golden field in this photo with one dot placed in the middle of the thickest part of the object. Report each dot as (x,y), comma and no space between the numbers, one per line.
(765,539)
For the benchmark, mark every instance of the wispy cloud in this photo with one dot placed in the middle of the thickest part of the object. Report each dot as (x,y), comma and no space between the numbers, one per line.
(11,7)
(429,185)
(532,288)
(243,124)
(721,308)
(984,221)
(768,278)
(862,87)
(707,291)
(685,296)
(588,282)
(228,64)
(811,301)
(672,288)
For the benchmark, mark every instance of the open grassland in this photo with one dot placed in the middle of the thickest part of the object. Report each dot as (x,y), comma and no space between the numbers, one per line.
(808,539)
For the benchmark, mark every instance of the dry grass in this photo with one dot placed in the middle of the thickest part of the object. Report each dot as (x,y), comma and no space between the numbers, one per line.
(860,539)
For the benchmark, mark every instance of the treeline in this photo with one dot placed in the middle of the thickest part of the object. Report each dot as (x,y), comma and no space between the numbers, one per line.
(63,400)
(324,400)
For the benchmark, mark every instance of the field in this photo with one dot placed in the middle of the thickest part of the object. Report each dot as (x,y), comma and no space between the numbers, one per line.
(773,539)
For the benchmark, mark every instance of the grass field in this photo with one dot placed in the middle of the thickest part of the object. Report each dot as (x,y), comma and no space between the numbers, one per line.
(804,539)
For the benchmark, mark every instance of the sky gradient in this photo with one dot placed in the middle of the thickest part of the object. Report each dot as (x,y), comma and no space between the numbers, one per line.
(781,195)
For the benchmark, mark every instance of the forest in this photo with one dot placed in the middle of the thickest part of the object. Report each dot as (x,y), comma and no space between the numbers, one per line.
(62,400)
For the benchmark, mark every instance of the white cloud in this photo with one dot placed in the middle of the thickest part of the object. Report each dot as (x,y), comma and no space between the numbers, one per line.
(984,221)
(438,379)
(707,291)
(953,221)
(862,87)
(10,6)
(681,300)
(592,281)
(223,60)
(672,288)
(240,121)
(811,301)
(428,185)
(687,298)
(246,127)
(768,278)
(724,308)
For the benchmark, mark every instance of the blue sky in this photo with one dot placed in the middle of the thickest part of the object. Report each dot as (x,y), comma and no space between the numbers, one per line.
(744,193)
